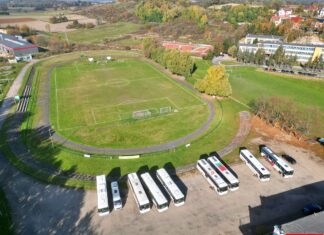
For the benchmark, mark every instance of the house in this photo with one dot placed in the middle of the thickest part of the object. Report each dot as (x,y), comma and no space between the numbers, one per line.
(312,8)
(16,48)
(296,20)
(285,12)
(276,20)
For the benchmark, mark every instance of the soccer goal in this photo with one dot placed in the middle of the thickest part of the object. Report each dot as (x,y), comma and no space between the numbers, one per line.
(140,114)
(164,110)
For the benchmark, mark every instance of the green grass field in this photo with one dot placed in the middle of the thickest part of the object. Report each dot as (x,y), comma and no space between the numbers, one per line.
(249,83)
(94,103)
(102,32)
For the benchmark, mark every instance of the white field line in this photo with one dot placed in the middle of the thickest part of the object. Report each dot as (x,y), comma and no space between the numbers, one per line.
(56,97)
(94,117)
(171,101)
(114,82)
(175,83)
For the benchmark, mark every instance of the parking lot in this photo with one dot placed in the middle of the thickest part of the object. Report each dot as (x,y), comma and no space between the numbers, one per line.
(256,206)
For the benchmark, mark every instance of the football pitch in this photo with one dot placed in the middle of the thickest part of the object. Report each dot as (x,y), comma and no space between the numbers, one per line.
(123,103)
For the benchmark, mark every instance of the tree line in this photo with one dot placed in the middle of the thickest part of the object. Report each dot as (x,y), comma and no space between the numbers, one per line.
(278,59)
(285,114)
(177,62)
(167,11)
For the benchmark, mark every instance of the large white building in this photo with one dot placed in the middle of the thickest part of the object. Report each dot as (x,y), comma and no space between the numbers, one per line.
(303,52)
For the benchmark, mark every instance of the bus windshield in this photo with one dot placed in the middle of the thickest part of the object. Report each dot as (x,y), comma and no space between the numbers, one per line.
(179,200)
(162,206)
(103,210)
(143,207)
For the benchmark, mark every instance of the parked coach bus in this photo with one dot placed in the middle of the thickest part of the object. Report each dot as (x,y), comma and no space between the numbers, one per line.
(139,194)
(229,178)
(173,190)
(278,163)
(212,177)
(102,196)
(159,200)
(117,202)
(255,165)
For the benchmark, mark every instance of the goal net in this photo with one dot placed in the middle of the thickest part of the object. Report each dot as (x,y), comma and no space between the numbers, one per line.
(142,114)
(164,110)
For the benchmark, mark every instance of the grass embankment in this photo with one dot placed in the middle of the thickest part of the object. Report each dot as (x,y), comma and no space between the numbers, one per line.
(101,33)
(6,226)
(248,83)
(223,129)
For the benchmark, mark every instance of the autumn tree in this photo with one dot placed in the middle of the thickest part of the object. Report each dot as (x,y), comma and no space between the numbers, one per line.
(215,82)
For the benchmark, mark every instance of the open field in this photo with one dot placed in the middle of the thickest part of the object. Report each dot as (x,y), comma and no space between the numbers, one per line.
(94,104)
(248,83)
(222,130)
(40,21)
(102,32)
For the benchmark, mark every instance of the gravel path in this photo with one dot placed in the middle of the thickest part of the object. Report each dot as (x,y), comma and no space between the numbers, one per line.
(44,102)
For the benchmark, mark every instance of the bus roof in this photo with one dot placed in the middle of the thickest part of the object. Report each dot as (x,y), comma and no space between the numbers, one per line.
(279,160)
(169,183)
(255,162)
(115,191)
(153,188)
(138,189)
(223,169)
(102,191)
(212,173)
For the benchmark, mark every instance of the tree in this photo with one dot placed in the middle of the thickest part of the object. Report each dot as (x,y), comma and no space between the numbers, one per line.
(232,51)
(215,82)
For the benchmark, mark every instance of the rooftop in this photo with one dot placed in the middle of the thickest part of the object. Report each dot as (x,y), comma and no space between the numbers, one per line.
(15,43)
(309,224)
(263,36)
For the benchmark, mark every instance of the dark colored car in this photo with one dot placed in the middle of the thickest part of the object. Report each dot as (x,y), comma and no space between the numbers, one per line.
(289,159)
(320,140)
(312,208)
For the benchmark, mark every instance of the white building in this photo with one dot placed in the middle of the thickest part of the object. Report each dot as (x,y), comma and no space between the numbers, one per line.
(285,12)
(321,12)
(250,38)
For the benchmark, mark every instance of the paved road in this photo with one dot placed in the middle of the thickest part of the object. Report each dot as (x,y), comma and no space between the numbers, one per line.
(44,102)
(13,91)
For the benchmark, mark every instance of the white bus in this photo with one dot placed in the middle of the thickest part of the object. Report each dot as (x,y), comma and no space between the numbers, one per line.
(159,200)
(117,202)
(276,162)
(230,179)
(212,177)
(139,194)
(173,190)
(255,165)
(103,205)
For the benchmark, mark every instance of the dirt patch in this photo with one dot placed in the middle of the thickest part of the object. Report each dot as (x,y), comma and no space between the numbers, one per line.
(265,133)
(15,20)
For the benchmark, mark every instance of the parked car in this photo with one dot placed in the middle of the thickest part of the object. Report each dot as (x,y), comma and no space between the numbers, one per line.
(312,208)
(320,140)
(289,159)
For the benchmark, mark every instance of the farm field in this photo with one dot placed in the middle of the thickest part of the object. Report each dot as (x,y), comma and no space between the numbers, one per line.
(102,32)
(95,104)
(248,83)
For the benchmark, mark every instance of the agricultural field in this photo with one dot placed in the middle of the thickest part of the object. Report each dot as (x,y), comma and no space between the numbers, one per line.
(249,83)
(121,104)
(101,33)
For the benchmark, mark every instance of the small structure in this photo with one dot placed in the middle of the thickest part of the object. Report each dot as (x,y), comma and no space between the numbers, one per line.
(90,59)
(109,58)
(285,12)
(321,13)
(16,48)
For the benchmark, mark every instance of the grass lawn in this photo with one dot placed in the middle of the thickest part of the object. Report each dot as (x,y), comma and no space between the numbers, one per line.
(98,34)
(6,227)
(223,129)
(201,70)
(249,83)
(93,104)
